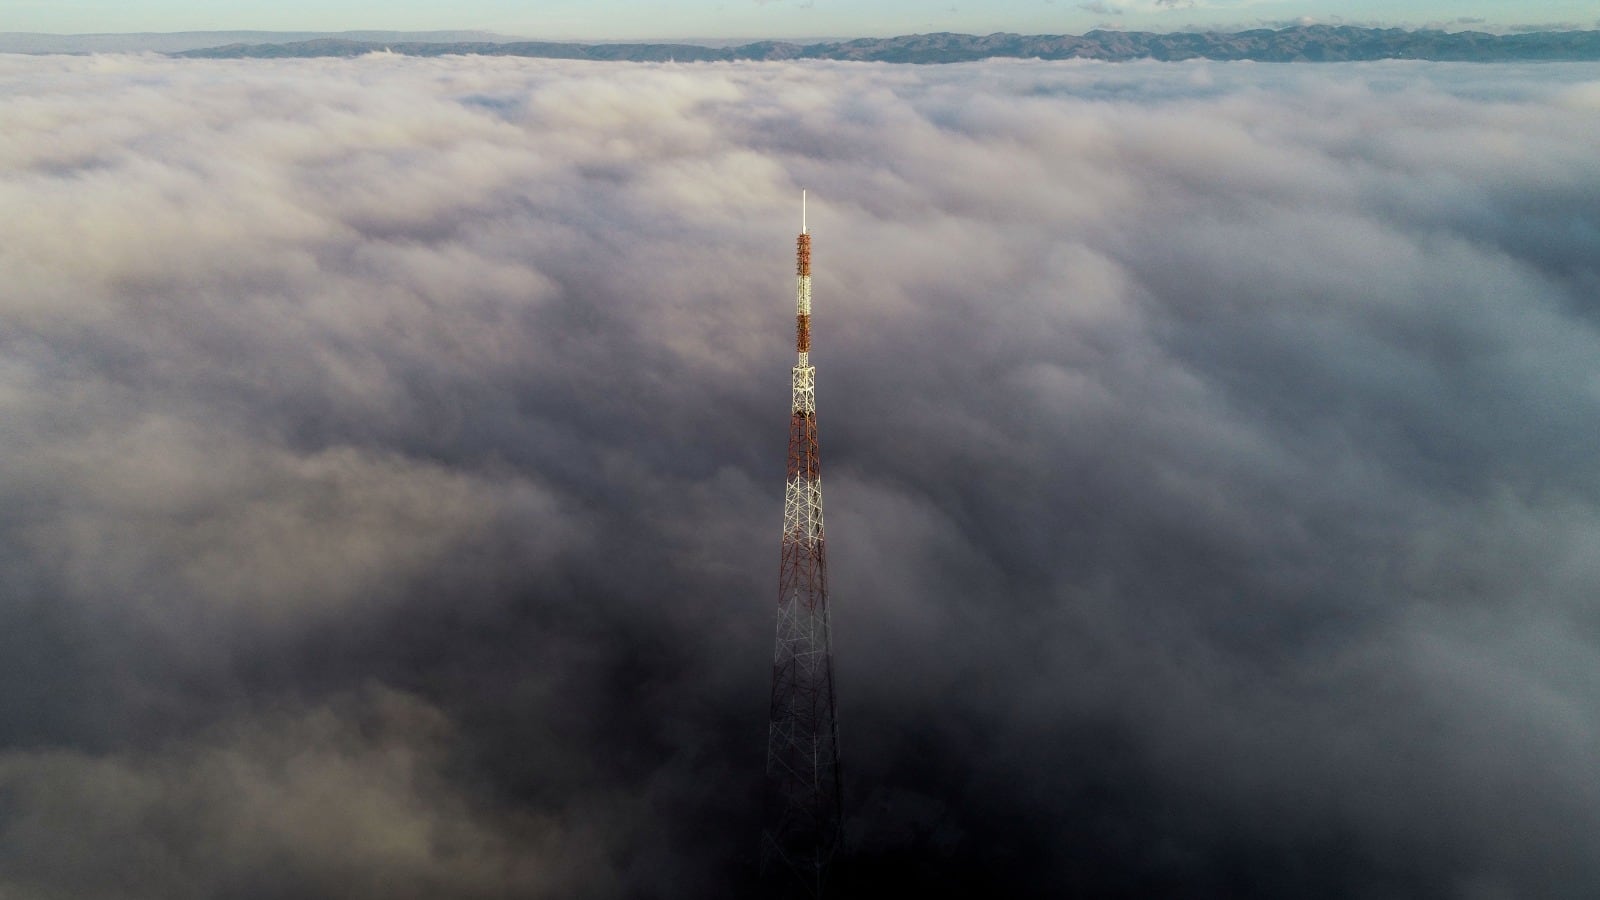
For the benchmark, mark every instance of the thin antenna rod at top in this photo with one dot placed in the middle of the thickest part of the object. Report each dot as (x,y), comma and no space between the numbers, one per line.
(803,212)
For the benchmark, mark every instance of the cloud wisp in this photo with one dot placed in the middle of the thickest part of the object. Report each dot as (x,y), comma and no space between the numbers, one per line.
(393,455)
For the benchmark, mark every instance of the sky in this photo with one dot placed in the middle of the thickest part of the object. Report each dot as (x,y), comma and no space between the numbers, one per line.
(629,19)
(394,458)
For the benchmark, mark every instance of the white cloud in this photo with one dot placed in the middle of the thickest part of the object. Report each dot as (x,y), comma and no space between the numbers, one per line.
(1235,418)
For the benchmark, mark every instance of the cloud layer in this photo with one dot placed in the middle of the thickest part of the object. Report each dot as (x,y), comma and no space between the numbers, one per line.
(393,457)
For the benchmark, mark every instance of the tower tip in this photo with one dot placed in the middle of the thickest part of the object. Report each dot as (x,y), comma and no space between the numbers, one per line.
(803,212)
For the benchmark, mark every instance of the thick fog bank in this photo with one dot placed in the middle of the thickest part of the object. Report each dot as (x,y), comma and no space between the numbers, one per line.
(391,455)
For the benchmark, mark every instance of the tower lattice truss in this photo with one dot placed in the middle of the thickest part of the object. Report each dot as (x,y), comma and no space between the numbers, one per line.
(803,821)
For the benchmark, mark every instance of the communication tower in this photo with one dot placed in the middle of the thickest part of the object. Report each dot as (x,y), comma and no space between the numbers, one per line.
(803,815)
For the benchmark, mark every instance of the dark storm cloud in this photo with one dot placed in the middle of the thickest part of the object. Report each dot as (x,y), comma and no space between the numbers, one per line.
(392,452)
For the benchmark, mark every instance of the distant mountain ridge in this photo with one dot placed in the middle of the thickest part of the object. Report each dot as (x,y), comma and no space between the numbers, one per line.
(1308,43)
(179,41)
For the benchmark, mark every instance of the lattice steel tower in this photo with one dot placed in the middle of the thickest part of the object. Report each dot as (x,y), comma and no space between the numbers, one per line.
(803,818)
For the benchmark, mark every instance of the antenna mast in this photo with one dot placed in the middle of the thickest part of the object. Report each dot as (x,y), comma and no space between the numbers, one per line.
(803,815)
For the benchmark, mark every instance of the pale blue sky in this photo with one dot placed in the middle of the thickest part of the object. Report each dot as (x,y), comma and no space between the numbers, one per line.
(619,19)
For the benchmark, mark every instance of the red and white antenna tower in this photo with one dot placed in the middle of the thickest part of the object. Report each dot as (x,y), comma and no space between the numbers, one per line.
(803,817)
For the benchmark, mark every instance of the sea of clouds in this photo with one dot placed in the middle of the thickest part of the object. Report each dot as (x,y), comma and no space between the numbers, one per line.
(391,456)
